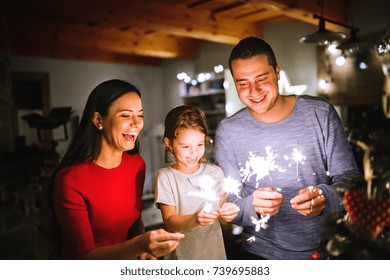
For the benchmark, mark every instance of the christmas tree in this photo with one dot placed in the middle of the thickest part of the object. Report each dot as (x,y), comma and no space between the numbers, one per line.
(362,230)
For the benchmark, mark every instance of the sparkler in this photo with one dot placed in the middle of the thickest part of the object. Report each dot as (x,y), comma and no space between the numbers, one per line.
(208,207)
(260,223)
(206,185)
(231,186)
(298,158)
(260,166)
(251,239)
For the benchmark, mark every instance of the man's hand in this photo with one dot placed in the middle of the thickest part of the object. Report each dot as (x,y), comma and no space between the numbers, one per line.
(309,202)
(267,201)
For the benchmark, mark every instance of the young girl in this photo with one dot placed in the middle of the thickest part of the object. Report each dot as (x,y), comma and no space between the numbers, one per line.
(189,192)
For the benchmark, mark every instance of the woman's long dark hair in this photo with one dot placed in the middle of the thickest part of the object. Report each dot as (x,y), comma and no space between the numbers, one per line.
(87,139)
(86,142)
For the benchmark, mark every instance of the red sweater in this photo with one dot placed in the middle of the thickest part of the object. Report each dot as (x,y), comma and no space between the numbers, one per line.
(96,206)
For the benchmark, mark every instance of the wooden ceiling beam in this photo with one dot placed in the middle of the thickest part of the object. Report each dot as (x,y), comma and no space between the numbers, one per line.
(78,53)
(106,39)
(108,30)
(141,16)
(303,10)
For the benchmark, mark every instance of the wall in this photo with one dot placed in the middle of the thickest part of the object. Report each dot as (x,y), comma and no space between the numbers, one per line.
(211,54)
(298,60)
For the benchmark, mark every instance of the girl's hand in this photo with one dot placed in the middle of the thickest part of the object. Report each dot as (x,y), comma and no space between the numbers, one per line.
(207,218)
(228,211)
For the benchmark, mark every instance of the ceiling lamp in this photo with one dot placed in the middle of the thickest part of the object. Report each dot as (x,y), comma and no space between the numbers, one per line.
(323,36)
(383,47)
(354,45)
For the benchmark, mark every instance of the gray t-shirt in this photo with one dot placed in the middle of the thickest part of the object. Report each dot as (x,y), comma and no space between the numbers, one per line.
(308,148)
(189,193)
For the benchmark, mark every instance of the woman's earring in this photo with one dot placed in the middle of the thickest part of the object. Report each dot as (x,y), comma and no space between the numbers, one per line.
(100,126)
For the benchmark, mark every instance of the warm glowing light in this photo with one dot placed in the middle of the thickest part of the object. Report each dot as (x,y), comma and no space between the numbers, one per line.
(340,61)
(229,108)
(332,48)
(286,87)
(201,77)
(363,65)
(218,68)
(323,84)
(225,84)
(181,76)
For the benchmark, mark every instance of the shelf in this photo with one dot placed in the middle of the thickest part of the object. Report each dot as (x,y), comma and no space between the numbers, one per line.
(210,97)
(206,92)
(215,112)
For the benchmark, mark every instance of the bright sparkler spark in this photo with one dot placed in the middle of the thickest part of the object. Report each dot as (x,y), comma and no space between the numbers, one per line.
(261,223)
(260,166)
(231,186)
(208,207)
(298,158)
(206,184)
(251,239)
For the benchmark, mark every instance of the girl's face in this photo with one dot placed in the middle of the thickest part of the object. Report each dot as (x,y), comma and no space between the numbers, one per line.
(188,148)
(123,123)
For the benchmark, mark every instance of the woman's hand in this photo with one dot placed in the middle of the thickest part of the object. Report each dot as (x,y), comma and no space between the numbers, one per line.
(159,242)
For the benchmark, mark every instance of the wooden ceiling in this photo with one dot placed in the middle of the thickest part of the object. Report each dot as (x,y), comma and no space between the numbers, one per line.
(143,31)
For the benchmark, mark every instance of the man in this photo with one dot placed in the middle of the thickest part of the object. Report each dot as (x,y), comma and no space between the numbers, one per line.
(288,152)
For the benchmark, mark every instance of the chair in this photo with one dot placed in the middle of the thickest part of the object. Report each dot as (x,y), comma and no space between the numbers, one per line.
(57,116)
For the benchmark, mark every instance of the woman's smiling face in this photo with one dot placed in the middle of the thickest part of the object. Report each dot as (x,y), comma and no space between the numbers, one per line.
(123,123)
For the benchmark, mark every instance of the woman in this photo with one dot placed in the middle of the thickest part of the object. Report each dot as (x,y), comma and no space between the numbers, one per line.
(98,187)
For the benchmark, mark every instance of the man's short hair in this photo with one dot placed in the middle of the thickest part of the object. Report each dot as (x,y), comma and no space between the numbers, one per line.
(252,46)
